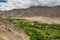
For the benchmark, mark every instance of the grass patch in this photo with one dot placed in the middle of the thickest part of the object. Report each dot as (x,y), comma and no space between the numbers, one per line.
(37,30)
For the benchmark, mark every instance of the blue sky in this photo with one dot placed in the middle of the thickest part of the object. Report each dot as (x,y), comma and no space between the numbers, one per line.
(2,0)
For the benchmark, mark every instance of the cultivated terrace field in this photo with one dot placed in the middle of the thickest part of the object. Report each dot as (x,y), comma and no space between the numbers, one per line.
(38,30)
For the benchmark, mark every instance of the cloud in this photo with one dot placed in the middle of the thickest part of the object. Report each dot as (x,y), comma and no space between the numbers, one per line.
(23,4)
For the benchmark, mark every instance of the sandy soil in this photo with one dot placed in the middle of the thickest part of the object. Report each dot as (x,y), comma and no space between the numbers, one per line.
(44,19)
(49,20)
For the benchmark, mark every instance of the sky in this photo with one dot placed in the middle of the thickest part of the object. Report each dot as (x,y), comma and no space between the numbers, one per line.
(6,5)
(2,0)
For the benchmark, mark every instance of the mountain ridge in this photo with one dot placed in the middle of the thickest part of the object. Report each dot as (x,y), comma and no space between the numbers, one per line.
(34,11)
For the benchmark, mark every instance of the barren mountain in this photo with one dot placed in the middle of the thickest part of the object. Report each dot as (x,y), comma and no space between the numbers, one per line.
(44,14)
(33,11)
(9,32)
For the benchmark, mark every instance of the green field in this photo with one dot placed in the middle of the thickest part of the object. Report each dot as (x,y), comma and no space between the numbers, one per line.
(37,30)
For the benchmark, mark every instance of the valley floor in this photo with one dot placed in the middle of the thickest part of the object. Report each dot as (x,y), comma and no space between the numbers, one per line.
(49,20)
(37,30)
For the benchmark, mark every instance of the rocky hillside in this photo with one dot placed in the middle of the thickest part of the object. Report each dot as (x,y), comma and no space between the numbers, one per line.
(33,11)
(10,32)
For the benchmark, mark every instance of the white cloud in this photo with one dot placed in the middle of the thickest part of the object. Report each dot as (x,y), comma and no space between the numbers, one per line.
(19,4)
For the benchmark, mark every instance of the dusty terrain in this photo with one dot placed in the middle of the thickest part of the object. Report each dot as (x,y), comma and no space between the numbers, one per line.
(9,32)
(43,19)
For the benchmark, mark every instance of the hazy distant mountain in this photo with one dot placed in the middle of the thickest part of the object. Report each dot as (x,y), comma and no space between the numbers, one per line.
(33,11)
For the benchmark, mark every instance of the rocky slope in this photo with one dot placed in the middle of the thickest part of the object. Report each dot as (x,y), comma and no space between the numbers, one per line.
(9,32)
